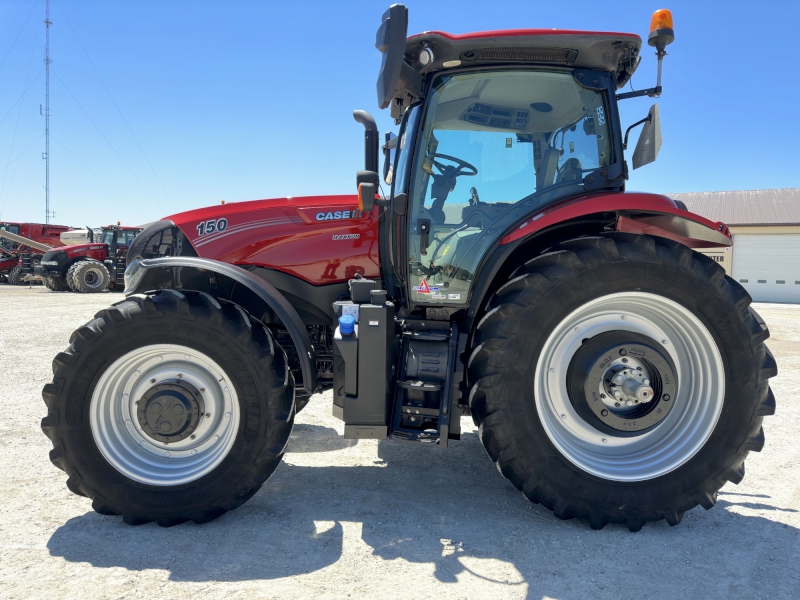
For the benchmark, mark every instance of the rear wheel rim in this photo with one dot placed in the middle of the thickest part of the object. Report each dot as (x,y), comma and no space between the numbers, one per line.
(691,420)
(93,278)
(123,442)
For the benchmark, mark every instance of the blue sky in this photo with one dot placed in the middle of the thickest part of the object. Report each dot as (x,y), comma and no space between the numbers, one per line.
(163,106)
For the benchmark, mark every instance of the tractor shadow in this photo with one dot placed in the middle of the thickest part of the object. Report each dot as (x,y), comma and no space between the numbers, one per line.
(449,509)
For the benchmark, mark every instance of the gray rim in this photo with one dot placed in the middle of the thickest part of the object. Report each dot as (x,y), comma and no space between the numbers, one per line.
(701,388)
(93,277)
(129,449)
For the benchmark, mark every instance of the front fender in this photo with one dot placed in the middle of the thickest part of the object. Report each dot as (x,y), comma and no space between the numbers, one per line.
(206,275)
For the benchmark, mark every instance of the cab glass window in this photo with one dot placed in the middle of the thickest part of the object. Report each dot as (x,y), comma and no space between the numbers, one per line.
(494,147)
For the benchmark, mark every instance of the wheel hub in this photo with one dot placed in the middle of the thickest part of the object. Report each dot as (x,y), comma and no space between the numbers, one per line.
(622,383)
(170,411)
(626,383)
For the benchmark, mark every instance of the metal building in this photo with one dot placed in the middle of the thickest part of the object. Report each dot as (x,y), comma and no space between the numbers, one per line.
(765,257)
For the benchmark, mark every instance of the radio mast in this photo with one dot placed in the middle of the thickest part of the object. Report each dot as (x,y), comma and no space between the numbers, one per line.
(46,157)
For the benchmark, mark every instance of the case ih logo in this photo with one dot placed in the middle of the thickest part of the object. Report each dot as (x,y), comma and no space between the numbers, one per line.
(339,214)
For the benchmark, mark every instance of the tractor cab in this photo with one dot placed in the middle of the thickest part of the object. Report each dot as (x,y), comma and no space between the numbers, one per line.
(493,146)
(494,126)
(115,235)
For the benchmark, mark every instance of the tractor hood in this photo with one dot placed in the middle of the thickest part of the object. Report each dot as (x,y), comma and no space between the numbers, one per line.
(320,239)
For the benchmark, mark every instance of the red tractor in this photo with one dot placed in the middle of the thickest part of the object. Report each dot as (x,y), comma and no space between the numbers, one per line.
(93,267)
(614,374)
(22,246)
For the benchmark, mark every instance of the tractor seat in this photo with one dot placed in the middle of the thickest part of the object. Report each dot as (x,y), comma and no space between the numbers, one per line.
(465,252)
(570,171)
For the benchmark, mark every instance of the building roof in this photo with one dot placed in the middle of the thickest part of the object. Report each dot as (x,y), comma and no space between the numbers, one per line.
(746,207)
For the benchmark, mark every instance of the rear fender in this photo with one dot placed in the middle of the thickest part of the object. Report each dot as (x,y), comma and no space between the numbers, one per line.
(223,280)
(649,214)
(590,214)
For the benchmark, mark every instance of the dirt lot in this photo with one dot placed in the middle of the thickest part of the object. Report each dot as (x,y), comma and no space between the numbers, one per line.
(377,519)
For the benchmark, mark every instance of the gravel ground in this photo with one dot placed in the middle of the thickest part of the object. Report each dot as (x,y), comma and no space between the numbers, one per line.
(371,519)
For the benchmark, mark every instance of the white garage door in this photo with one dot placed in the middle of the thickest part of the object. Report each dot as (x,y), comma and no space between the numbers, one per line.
(768,266)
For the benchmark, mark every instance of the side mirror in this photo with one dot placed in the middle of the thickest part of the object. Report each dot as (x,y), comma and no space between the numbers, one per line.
(389,152)
(391,43)
(367,188)
(649,140)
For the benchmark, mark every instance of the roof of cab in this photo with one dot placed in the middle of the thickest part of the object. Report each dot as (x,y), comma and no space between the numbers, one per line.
(601,50)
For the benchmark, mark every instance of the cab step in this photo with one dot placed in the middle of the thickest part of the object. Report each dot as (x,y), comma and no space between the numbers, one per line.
(423,391)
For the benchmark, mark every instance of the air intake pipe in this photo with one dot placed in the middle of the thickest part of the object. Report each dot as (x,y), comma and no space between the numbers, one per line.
(370,139)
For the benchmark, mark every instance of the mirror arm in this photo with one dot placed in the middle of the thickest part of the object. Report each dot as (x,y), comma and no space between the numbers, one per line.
(652,92)
(627,131)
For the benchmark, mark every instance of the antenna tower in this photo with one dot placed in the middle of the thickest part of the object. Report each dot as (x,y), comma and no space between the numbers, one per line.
(46,157)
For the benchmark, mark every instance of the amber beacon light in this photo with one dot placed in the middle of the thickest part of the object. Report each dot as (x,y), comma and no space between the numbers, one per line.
(662,32)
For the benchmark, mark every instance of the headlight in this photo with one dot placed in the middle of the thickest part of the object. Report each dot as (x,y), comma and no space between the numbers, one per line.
(133,275)
(49,263)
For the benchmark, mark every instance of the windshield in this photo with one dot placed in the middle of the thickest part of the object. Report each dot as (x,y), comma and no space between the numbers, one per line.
(124,238)
(495,146)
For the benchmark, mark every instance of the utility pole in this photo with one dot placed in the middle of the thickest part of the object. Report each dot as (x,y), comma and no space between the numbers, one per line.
(46,157)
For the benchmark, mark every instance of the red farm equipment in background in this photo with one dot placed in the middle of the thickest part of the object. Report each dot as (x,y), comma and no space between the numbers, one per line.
(87,268)
(22,246)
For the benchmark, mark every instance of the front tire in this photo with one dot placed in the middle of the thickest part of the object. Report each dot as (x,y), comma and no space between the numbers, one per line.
(551,341)
(56,284)
(168,408)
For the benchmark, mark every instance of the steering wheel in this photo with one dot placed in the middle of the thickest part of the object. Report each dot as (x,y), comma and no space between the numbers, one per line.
(445,181)
(462,167)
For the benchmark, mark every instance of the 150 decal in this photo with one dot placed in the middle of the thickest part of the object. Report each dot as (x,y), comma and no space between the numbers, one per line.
(212,226)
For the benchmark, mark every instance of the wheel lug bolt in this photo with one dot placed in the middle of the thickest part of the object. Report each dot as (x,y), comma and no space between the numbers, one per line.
(602,396)
(152,381)
(604,413)
(617,404)
(665,397)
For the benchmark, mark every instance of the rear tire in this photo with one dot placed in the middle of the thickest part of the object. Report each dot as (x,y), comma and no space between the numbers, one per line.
(538,427)
(107,443)
(88,277)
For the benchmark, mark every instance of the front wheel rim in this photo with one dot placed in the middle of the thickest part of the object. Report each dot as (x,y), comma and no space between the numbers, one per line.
(690,422)
(127,447)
